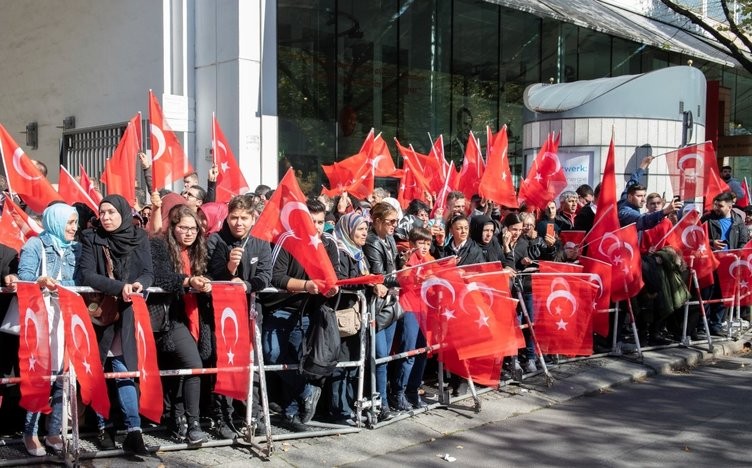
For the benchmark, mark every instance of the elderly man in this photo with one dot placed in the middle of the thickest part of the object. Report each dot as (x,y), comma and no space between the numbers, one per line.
(568,204)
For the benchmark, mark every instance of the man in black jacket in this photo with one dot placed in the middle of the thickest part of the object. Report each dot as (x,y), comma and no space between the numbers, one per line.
(240,258)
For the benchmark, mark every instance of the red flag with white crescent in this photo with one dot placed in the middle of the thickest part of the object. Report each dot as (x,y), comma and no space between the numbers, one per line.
(34,358)
(169,162)
(601,276)
(150,401)
(472,168)
(10,232)
(735,273)
(563,314)
(89,186)
(72,192)
(286,222)
(230,179)
(690,239)
(119,174)
(620,249)
(233,339)
(23,176)
(83,350)
(546,178)
(496,182)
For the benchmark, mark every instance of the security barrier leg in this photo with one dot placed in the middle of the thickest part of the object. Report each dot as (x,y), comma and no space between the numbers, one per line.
(685,340)
(375,408)
(364,332)
(262,386)
(634,327)
(71,452)
(538,351)
(696,283)
(615,350)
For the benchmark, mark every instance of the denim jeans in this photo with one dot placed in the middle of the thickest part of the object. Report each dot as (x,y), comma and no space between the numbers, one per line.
(384,340)
(127,394)
(282,337)
(54,419)
(409,373)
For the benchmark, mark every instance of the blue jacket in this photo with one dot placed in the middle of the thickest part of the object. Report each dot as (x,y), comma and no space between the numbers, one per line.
(628,214)
(30,264)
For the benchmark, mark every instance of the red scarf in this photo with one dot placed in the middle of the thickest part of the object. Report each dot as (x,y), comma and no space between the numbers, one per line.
(189,299)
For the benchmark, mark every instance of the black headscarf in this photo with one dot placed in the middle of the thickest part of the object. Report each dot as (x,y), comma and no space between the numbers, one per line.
(123,240)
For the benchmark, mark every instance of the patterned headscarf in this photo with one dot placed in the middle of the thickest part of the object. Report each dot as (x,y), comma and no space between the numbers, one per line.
(344,231)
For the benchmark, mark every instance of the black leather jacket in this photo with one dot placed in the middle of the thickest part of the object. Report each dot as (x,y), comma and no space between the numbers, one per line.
(382,256)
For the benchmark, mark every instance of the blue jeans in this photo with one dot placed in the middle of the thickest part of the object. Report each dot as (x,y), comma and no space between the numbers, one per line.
(384,340)
(409,373)
(54,419)
(127,395)
(282,338)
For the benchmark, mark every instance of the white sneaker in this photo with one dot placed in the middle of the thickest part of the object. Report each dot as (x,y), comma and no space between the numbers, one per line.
(530,366)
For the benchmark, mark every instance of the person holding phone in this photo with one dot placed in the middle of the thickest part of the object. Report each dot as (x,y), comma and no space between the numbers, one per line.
(651,237)
(630,209)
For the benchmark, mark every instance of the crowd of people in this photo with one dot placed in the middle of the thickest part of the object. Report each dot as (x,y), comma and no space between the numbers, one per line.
(181,242)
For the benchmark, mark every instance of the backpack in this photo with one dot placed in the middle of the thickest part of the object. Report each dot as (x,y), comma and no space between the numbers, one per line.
(319,354)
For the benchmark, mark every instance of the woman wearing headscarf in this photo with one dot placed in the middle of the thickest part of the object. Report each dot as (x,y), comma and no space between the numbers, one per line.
(119,243)
(483,233)
(50,259)
(351,231)
(180,262)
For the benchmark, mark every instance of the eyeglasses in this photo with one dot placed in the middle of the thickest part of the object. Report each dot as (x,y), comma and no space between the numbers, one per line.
(187,229)
(189,195)
(391,222)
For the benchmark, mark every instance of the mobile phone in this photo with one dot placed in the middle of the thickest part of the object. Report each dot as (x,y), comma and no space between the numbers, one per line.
(550,230)
(676,198)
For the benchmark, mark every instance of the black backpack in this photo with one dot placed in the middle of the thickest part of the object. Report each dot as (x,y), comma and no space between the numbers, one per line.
(319,354)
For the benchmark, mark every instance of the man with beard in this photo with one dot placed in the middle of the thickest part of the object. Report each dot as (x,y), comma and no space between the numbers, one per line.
(733,184)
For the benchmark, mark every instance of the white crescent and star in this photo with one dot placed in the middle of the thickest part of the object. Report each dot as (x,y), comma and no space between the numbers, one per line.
(77,322)
(561,294)
(228,313)
(18,166)
(429,283)
(284,215)
(680,163)
(698,238)
(142,339)
(156,132)
(30,316)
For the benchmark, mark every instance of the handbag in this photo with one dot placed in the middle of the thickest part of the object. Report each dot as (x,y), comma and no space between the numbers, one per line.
(103,309)
(387,310)
(348,320)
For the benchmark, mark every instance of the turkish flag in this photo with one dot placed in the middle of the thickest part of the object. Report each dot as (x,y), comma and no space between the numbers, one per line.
(571,239)
(496,183)
(381,158)
(472,168)
(652,237)
(619,248)
(230,180)
(120,170)
(432,167)
(233,339)
(411,280)
(168,158)
(414,184)
(287,223)
(601,274)
(546,179)
(694,173)
(344,176)
(150,402)
(484,370)
(34,357)
(90,188)
(23,176)
(735,273)
(563,314)
(690,239)
(16,226)
(365,279)
(606,218)
(558,267)
(83,351)
(744,201)
(72,192)
(496,281)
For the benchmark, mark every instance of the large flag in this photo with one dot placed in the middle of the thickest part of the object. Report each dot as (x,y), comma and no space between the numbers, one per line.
(83,351)
(286,222)
(169,162)
(23,176)
(620,249)
(601,275)
(606,214)
(652,237)
(233,339)
(690,239)
(150,401)
(72,192)
(230,180)
(496,183)
(735,274)
(34,356)
(694,174)
(546,178)
(563,314)
(120,170)
(744,200)
(89,186)
(414,184)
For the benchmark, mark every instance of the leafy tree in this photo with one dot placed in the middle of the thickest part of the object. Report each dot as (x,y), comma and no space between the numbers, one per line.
(735,36)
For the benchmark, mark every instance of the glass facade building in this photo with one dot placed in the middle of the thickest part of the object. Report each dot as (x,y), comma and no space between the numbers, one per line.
(414,68)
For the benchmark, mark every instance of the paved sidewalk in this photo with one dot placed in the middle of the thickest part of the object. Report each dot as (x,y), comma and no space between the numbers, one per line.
(571,380)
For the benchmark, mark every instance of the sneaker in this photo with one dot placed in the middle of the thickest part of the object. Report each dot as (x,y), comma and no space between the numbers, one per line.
(195,435)
(309,404)
(105,440)
(530,366)
(134,443)
(223,431)
(386,414)
(416,401)
(34,446)
(179,433)
(293,424)
(260,429)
